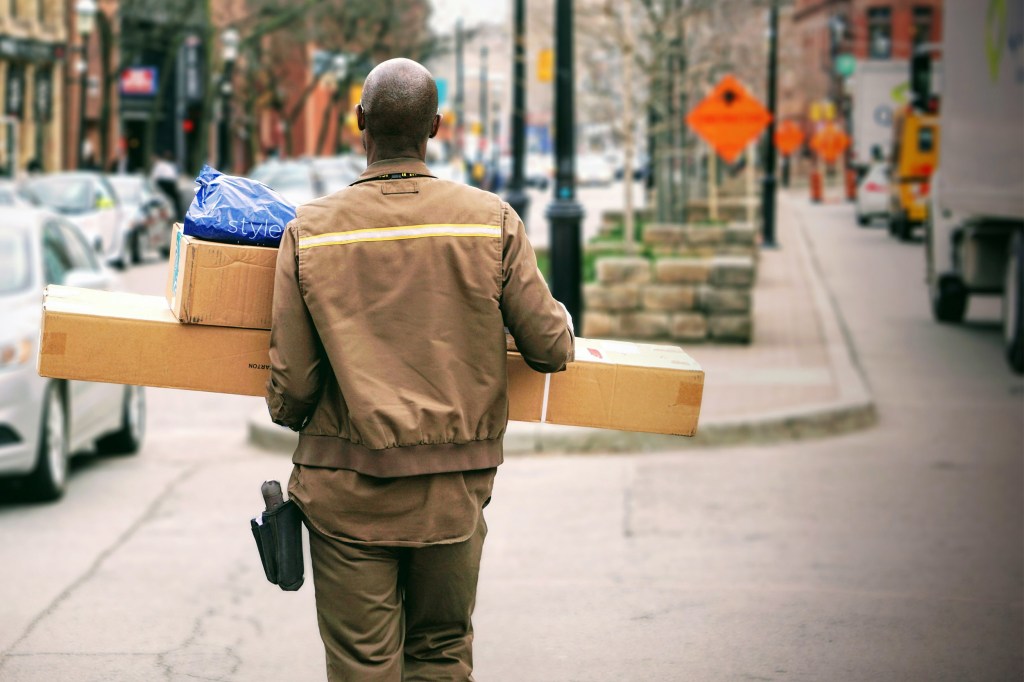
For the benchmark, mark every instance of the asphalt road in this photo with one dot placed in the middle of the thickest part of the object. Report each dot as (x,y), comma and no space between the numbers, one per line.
(891,554)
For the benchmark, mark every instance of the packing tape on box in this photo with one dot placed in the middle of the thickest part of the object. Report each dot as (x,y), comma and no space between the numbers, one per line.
(544,403)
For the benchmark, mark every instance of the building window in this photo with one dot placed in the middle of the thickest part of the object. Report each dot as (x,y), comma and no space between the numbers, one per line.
(12,9)
(41,11)
(922,25)
(879,33)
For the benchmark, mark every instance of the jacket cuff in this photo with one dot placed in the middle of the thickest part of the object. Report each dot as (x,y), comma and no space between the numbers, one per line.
(286,413)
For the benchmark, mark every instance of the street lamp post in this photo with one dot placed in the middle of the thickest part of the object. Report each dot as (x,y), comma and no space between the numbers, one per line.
(85,20)
(564,214)
(229,40)
(768,186)
(517,197)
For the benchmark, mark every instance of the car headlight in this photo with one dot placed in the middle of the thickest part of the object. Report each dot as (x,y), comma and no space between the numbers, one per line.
(16,352)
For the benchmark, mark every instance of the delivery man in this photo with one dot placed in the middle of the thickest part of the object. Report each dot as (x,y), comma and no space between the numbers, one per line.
(388,356)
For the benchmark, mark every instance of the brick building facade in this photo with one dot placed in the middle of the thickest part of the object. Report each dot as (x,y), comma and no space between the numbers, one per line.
(821,30)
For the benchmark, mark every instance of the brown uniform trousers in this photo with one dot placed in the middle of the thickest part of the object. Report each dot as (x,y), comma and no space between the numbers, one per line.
(396,613)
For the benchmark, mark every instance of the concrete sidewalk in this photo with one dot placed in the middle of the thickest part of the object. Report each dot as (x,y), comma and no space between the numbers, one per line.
(798,379)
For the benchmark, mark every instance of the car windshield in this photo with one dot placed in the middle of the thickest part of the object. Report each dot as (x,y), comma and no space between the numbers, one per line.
(15,264)
(6,197)
(66,194)
(129,189)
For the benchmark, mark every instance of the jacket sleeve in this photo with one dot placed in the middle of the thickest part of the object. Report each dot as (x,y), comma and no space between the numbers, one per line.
(295,351)
(537,322)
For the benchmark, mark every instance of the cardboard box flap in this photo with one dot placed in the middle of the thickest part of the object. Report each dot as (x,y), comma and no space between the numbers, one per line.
(76,301)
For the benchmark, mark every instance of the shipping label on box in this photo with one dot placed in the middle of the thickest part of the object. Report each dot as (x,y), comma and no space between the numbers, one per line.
(224,285)
(131,339)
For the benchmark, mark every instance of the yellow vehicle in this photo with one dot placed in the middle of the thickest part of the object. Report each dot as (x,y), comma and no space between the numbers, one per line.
(915,156)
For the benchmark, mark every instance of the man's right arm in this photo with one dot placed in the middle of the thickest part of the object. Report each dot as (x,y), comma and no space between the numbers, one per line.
(538,323)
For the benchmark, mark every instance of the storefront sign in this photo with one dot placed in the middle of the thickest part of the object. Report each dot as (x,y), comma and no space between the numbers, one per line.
(193,69)
(30,50)
(139,81)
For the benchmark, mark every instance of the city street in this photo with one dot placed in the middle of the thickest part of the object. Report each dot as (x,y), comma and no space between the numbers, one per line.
(895,553)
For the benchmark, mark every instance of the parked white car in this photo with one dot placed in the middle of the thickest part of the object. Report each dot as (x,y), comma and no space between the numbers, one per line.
(149,214)
(593,169)
(44,421)
(87,199)
(873,194)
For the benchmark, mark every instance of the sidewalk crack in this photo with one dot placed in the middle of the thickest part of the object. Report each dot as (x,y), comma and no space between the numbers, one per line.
(148,514)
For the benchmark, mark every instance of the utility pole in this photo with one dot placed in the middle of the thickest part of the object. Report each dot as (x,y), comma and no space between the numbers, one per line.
(768,184)
(517,197)
(459,93)
(484,114)
(564,214)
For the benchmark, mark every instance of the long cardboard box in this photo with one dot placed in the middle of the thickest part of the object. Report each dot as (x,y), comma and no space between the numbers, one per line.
(131,339)
(224,285)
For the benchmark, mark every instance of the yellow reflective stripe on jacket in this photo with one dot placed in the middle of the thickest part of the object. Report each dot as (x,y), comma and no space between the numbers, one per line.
(381,234)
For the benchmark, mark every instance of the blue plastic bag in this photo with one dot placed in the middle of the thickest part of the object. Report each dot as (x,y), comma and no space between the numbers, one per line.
(235,210)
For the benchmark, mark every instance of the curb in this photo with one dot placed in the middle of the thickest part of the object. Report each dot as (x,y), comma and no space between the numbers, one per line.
(854,410)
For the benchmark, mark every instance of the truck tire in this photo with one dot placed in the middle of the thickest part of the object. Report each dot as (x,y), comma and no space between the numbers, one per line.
(949,300)
(1013,304)
(904,228)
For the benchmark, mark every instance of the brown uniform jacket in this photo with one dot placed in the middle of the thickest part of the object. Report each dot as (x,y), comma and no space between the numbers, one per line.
(387,348)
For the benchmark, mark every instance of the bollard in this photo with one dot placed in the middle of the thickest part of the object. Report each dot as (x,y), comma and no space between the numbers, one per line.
(815,184)
(851,184)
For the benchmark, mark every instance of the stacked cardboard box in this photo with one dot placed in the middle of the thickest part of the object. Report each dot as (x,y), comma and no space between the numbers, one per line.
(211,333)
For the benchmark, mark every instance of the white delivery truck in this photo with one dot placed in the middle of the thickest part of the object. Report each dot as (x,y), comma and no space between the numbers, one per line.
(975,230)
(880,87)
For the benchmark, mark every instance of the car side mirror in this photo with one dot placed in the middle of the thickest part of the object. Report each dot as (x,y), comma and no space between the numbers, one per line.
(87,279)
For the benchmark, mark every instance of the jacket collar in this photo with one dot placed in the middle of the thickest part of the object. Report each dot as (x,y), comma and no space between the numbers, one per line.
(400,165)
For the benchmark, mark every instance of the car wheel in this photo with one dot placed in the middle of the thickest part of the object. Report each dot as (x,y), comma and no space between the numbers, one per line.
(128,439)
(1013,304)
(49,478)
(136,247)
(949,300)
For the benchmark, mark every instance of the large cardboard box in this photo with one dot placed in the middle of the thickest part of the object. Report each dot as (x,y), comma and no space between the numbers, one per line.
(223,285)
(132,339)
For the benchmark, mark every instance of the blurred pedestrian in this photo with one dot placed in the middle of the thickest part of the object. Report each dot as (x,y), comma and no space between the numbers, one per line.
(164,175)
(33,167)
(388,356)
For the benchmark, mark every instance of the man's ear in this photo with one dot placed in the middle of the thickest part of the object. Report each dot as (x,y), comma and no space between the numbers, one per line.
(360,117)
(435,125)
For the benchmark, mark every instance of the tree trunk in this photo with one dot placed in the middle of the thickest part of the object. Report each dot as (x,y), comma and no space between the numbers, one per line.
(629,126)
(109,76)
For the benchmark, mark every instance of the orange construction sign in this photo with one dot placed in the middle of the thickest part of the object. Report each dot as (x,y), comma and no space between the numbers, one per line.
(788,137)
(729,118)
(829,142)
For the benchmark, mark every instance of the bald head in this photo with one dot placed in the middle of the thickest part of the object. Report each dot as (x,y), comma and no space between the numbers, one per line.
(399,106)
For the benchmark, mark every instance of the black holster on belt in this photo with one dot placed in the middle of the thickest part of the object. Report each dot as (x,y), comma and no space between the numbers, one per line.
(279,540)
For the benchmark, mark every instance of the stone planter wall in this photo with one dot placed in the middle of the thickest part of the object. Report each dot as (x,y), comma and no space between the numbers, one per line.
(696,286)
